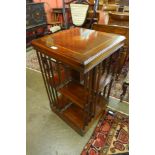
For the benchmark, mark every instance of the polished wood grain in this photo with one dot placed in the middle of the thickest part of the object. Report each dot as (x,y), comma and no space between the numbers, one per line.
(79,47)
(116,29)
(76,93)
(78,66)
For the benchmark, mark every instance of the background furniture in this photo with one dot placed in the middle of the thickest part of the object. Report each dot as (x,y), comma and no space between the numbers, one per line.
(36,22)
(123,2)
(58,14)
(92,13)
(110,7)
(124,54)
(116,5)
(119,18)
(79,13)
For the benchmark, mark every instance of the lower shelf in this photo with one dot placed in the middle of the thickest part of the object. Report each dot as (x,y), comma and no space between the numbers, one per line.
(74,116)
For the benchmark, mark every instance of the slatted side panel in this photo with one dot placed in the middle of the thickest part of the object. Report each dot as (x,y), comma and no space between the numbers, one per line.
(55,76)
(98,82)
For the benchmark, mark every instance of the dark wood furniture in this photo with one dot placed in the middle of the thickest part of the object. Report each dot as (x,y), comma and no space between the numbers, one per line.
(123,16)
(78,70)
(115,18)
(117,30)
(36,22)
(119,18)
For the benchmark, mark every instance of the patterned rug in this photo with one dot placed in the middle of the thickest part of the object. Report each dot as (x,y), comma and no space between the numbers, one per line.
(32,62)
(110,137)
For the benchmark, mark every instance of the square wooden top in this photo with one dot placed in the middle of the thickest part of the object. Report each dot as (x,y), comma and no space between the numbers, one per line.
(81,48)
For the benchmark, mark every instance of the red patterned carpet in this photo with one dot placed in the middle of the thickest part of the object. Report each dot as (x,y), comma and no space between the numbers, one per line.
(110,137)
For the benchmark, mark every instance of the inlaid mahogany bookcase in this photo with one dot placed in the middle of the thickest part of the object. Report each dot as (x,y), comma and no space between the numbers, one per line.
(78,66)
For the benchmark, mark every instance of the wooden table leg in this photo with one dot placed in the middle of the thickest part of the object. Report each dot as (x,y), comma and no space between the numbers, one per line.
(124,87)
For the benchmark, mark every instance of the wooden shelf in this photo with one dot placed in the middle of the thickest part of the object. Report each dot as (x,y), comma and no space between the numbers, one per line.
(78,95)
(74,116)
(75,93)
(62,102)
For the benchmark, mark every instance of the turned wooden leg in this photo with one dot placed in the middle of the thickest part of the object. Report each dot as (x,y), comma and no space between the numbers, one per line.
(109,91)
(124,88)
(122,61)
